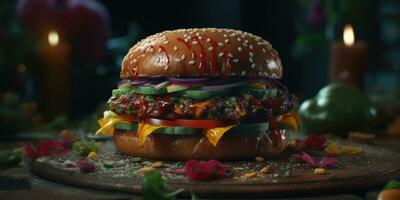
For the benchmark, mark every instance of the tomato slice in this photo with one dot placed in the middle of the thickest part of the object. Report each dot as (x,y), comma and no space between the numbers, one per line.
(160,122)
(199,123)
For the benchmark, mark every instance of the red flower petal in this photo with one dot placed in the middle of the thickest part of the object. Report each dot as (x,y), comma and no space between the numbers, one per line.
(46,148)
(201,171)
(315,142)
(85,165)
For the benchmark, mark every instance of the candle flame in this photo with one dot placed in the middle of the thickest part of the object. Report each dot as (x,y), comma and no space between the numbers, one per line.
(53,38)
(348,35)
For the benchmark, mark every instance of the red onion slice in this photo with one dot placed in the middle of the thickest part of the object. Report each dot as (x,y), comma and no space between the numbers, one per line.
(225,86)
(188,80)
(159,85)
(133,83)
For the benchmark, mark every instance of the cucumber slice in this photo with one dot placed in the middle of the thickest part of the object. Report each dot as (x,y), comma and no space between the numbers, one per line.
(179,131)
(239,129)
(150,90)
(250,128)
(121,91)
(259,93)
(126,126)
(205,94)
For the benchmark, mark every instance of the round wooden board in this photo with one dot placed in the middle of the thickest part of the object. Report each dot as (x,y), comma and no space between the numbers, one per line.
(359,172)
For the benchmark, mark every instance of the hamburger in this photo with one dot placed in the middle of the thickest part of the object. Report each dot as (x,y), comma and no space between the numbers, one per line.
(201,94)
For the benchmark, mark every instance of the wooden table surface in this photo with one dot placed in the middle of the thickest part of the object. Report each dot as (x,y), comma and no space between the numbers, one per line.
(19,183)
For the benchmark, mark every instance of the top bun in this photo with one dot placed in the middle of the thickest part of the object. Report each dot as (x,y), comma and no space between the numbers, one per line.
(202,52)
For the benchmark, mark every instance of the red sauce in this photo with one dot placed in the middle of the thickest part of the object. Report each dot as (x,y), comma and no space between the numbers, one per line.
(213,63)
(165,52)
(202,66)
(228,62)
(184,69)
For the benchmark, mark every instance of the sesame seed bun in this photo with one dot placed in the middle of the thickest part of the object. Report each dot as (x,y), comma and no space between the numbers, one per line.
(202,52)
(187,147)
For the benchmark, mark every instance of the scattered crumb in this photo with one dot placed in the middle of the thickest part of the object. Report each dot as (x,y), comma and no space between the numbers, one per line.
(145,170)
(249,175)
(335,149)
(259,159)
(92,155)
(157,164)
(319,171)
(264,170)
(364,138)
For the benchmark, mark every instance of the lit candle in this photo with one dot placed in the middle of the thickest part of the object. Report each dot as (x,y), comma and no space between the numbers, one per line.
(348,59)
(54,75)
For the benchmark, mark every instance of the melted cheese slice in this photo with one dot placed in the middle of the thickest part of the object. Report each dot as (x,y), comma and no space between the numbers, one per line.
(215,134)
(145,130)
(289,120)
(107,125)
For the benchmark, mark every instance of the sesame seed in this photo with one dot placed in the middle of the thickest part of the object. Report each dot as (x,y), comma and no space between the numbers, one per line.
(251,59)
(134,60)
(186,40)
(159,50)
(194,42)
(221,54)
(251,54)
(220,44)
(208,40)
(253,65)
(166,67)
(197,34)
(175,48)
(239,48)
(243,73)
(210,48)
(219,30)
(226,40)
(142,55)
(177,60)
(251,46)
(165,42)
(225,35)
(191,62)
(230,55)
(238,39)
(245,44)
(246,41)
(235,60)
(200,38)
(183,57)
(185,35)
(264,50)
(272,65)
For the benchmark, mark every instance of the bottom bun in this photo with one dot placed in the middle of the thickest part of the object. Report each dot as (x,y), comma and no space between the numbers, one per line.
(197,147)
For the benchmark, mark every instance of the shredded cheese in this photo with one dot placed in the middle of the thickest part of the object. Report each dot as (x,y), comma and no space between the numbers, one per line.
(215,134)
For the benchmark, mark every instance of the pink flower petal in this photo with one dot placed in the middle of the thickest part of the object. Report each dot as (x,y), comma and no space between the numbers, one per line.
(327,161)
(306,158)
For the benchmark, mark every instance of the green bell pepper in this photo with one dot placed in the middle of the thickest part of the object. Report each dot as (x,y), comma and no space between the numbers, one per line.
(337,108)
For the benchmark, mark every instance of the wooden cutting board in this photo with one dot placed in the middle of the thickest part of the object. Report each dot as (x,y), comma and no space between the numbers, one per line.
(369,169)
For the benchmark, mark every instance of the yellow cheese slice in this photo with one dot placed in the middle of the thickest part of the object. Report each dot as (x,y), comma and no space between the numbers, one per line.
(107,125)
(145,130)
(215,134)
